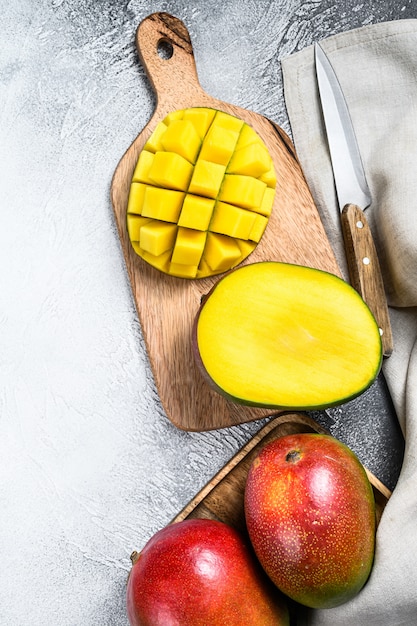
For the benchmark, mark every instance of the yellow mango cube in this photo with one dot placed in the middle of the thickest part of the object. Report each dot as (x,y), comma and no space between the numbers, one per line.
(252,160)
(243,191)
(207,178)
(269,177)
(181,137)
(170,170)
(246,137)
(246,247)
(232,220)
(154,142)
(221,252)
(136,196)
(143,167)
(258,228)
(160,262)
(183,271)
(228,121)
(157,237)
(172,116)
(134,224)
(189,246)
(196,212)
(201,119)
(136,247)
(162,204)
(219,144)
(204,269)
(267,201)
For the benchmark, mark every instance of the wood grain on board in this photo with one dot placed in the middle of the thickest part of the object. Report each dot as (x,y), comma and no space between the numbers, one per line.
(167,305)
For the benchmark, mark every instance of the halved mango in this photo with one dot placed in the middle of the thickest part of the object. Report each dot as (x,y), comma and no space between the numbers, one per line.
(201,170)
(284,336)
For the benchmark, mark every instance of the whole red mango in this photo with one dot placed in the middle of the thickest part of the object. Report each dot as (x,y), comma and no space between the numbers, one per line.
(310,514)
(199,573)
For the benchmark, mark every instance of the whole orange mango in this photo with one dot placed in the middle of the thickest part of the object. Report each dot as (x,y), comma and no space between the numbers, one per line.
(310,514)
(201,572)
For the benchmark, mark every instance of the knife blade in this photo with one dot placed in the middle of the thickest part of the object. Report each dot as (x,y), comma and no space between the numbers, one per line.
(353,196)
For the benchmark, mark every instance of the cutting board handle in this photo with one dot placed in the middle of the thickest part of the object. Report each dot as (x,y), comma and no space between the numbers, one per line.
(173,76)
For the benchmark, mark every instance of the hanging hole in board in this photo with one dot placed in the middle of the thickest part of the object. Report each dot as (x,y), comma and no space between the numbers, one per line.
(165,49)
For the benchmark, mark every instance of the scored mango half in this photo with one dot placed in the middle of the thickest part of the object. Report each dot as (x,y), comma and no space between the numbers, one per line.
(201,193)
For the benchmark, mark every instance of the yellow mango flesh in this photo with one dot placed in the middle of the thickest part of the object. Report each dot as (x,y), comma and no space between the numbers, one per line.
(285,336)
(202,191)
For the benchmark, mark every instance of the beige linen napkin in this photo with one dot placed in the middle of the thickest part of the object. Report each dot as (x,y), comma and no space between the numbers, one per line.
(377,69)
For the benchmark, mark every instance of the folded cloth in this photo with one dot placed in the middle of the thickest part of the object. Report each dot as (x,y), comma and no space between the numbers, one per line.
(377,69)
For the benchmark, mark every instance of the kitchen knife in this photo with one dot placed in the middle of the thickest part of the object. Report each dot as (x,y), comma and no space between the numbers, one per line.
(353,196)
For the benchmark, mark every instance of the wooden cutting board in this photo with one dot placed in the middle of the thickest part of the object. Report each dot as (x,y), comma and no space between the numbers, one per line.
(167,305)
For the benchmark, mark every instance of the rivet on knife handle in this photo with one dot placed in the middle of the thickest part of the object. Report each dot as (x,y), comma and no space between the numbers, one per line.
(364,269)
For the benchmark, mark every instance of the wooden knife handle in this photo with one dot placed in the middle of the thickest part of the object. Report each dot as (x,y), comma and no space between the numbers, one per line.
(364,269)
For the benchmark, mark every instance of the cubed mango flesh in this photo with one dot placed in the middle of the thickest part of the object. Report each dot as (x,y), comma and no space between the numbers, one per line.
(154,142)
(249,190)
(267,201)
(182,138)
(247,136)
(219,145)
(232,220)
(143,166)
(134,225)
(258,228)
(136,197)
(196,212)
(201,194)
(252,160)
(221,252)
(157,237)
(201,119)
(170,170)
(207,179)
(189,246)
(162,204)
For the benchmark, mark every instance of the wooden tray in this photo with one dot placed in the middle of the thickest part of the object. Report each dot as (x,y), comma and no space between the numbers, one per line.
(222,498)
(166,305)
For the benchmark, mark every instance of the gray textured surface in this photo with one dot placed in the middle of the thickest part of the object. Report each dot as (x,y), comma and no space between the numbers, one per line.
(90,465)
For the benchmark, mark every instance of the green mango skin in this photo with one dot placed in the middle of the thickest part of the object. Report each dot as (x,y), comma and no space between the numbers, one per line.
(200,572)
(310,515)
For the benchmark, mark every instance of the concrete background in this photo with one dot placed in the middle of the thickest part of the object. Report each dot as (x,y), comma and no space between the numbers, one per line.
(90,465)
